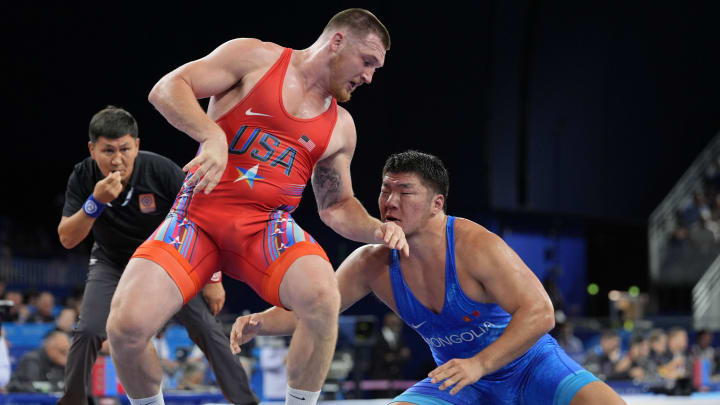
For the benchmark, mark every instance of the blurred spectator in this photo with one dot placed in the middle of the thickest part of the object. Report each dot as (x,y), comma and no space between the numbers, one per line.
(4,361)
(272,361)
(565,337)
(659,354)
(678,366)
(634,365)
(390,352)
(43,369)
(679,237)
(44,307)
(66,320)
(3,285)
(19,313)
(703,349)
(169,366)
(193,377)
(74,300)
(603,359)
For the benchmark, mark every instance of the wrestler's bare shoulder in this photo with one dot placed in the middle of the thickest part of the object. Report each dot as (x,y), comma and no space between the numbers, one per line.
(471,235)
(252,53)
(370,258)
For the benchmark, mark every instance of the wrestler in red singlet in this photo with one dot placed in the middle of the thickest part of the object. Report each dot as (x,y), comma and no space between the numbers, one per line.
(245,224)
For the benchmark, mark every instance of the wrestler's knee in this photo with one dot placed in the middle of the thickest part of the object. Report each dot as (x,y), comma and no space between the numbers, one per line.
(128,330)
(319,299)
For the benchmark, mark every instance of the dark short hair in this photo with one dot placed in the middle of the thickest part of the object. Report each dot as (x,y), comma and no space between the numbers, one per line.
(656,334)
(609,334)
(112,122)
(430,168)
(638,338)
(361,22)
(52,333)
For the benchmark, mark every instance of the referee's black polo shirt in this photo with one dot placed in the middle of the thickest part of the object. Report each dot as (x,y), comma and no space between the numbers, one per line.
(136,213)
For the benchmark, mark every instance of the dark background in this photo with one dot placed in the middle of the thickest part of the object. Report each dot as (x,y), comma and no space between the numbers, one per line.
(548,114)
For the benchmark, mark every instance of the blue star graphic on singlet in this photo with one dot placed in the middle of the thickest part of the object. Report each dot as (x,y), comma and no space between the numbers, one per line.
(250,174)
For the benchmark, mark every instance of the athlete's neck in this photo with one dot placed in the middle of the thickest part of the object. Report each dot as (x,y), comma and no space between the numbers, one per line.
(430,237)
(313,66)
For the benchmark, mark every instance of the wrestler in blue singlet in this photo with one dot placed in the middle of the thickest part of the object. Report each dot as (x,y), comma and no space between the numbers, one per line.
(543,375)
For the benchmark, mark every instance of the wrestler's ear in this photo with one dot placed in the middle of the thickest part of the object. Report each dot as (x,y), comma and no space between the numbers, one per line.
(337,41)
(438,202)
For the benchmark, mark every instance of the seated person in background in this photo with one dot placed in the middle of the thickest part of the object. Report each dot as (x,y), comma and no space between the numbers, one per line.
(565,337)
(703,349)
(43,369)
(44,306)
(602,360)
(193,377)
(390,353)
(169,366)
(19,312)
(66,320)
(678,366)
(659,354)
(634,365)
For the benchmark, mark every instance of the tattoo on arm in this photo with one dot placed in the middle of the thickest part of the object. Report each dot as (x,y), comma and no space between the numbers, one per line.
(326,185)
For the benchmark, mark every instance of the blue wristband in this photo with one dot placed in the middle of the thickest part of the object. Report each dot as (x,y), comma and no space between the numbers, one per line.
(92,207)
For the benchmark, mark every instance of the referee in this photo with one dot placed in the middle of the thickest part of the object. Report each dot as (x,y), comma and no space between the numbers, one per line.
(123,194)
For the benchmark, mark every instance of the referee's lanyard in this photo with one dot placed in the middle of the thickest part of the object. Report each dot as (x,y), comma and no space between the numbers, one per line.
(127,197)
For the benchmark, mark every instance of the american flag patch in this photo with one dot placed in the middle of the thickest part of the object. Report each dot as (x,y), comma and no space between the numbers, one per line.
(307,142)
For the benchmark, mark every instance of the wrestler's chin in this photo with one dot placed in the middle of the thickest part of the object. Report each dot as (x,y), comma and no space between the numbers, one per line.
(340,94)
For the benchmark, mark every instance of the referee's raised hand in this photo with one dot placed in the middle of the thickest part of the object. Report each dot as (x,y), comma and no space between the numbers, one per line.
(109,188)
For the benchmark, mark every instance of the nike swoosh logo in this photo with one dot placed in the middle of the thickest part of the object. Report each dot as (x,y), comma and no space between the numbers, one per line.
(418,325)
(250,112)
(300,398)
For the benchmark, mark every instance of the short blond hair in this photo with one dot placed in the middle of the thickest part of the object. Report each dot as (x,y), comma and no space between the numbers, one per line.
(361,22)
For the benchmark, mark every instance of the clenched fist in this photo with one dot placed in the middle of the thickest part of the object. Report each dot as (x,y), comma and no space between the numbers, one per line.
(109,188)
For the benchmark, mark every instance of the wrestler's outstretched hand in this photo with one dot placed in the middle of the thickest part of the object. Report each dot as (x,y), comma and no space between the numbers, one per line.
(210,163)
(457,372)
(244,330)
(392,235)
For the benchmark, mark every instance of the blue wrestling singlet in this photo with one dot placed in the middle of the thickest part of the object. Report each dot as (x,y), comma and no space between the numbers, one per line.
(543,375)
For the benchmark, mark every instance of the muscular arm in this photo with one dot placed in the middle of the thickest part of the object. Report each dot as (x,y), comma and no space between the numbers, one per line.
(512,285)
(175,95)
(337,205)
(74,229)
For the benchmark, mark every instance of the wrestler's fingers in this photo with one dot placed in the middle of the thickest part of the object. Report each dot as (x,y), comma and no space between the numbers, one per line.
(234,338)
(388,234)
(449,382)
(196,161)
(393,242)
(205,181)
(406,249)
(460,385)
(438,374)
(212,182)
(198,176)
